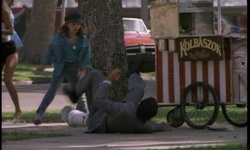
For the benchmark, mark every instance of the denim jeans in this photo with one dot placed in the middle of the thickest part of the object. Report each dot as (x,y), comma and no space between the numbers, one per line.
(70,72)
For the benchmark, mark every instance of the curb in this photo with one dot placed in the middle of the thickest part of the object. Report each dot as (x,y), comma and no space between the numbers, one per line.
(29,82)
(43,128)
(47,81)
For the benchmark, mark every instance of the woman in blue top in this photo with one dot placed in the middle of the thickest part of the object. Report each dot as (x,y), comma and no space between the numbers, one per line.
(70,52)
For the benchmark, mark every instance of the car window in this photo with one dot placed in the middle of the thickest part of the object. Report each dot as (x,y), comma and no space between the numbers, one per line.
(134,25)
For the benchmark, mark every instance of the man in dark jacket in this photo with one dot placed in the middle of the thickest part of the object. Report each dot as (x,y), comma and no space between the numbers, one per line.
(132,115)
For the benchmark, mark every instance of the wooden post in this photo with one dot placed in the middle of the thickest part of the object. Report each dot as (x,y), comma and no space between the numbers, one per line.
(63,12)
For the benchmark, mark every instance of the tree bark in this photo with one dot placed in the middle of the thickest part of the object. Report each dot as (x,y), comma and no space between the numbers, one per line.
(103,19)
(39,31)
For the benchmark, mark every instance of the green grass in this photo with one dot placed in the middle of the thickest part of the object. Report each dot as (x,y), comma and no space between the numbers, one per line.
(148,74)
(54,116)
(51,116)
(163,111)
(27,72)
(22,135)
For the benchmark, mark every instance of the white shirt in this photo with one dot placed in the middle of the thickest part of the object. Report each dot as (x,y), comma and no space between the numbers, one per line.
(107,81)
(4,36)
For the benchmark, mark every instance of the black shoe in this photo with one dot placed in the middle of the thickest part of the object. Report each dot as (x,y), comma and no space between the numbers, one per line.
(71,94)
(136,67)
(149,63)
(37,122)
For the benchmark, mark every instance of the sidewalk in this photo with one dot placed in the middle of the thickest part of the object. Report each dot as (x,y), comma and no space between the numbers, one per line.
(183,136)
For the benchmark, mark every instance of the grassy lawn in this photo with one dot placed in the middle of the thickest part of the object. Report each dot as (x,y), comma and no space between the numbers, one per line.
(23,135)
(54,116)
(163,111)
(29,116)
(51,116)
(27,72)
(148,74)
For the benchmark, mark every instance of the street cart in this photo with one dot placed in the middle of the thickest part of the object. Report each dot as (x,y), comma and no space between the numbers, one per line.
(199,67)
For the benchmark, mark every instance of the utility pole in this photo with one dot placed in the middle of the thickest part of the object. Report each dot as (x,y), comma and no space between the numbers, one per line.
(219,17)
(63,12)
(144,12)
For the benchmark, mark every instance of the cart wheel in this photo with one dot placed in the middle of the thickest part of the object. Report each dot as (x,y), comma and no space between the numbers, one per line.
(199,105)
(235,114)
(174,117)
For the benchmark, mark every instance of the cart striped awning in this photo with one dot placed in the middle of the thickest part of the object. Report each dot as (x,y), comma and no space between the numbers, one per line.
(173,76)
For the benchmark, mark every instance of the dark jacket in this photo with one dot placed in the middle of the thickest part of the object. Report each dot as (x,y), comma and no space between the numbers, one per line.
(117,117)
(59,46)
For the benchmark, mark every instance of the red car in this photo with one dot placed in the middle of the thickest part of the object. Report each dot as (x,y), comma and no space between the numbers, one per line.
(137,41)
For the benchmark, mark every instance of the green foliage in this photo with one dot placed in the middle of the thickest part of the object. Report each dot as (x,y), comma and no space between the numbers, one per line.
(22,135)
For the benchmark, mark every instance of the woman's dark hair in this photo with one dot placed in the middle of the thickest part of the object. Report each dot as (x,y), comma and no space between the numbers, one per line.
(64,29)
(147,109)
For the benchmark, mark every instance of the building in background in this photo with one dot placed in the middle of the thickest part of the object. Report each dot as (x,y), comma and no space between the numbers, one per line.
(129,3)
(28,3)
(231,9)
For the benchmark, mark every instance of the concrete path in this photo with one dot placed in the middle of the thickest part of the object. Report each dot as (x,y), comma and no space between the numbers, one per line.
(183,136)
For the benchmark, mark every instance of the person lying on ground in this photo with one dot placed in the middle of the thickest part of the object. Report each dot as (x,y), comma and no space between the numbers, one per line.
(132,115)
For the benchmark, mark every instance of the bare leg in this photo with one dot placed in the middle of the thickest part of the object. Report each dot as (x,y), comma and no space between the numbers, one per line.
(9,68)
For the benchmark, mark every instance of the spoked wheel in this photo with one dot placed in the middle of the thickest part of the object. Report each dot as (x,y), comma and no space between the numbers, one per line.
(174,117)
(235,114)
(199,105)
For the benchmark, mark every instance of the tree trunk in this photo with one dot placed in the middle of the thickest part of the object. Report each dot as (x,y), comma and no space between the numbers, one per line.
(39,32)
(103,19)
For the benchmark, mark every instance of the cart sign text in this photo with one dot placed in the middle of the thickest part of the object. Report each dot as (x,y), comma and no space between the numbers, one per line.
(200,48)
